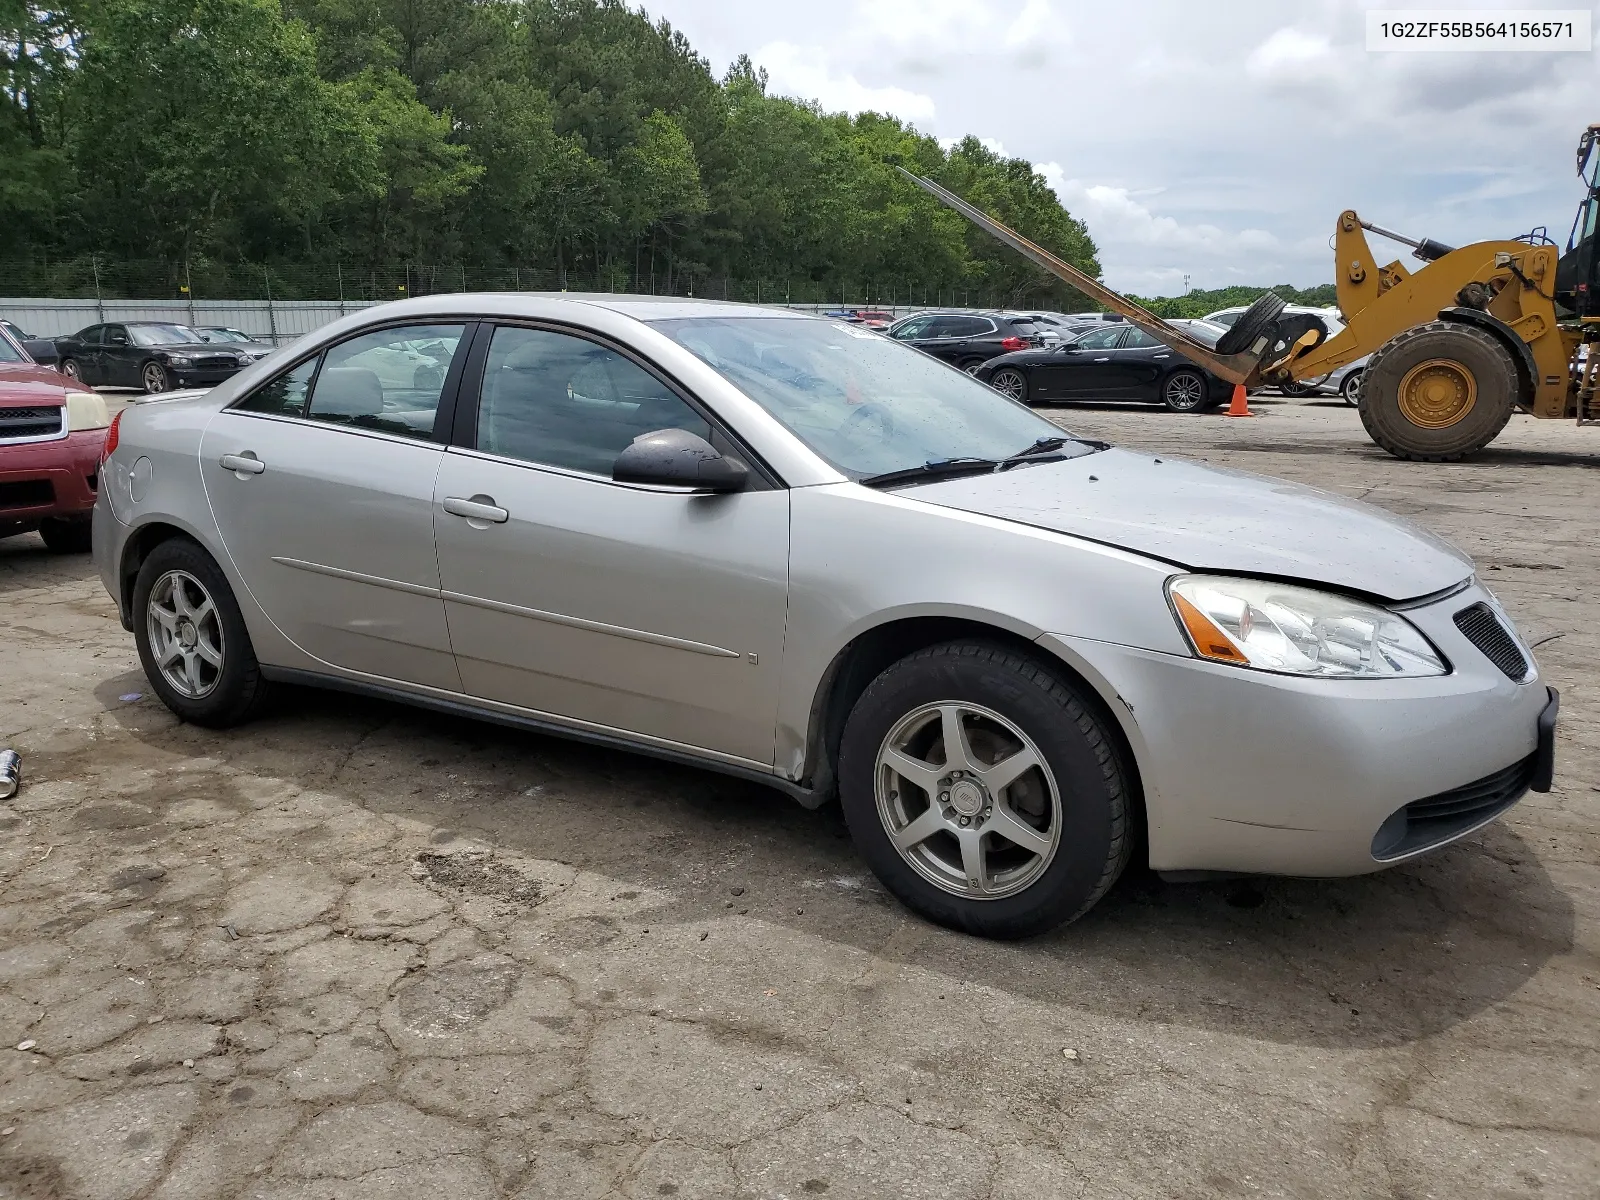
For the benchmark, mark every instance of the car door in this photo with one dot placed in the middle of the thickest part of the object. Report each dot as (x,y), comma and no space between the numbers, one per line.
(648,610)
(117,367)
(81,348)
(321,482)
(1086,372)
(1138,364)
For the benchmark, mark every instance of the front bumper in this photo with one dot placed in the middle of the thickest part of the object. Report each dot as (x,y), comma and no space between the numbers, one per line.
(1246,771)
(58,478)
(201,377)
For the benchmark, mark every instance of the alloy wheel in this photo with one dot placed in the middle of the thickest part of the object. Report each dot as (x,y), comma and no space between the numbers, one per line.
(185,632)
(1185,391)
(155,378)
(69,369)
(967,800)
(1010,382)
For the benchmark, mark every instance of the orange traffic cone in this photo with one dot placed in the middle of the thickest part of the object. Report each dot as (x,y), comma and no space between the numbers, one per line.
(1240,407)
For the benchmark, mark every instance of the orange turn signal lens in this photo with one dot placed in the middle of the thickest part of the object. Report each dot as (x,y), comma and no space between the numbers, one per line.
(1209,640)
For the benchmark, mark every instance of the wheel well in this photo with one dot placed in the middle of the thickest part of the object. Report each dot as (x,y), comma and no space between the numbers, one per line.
(140,543)
(1521,354)
(864,659)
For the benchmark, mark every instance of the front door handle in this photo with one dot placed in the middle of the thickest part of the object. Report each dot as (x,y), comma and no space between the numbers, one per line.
(243,464)
(1102,360)
(1163,356)
(479,508)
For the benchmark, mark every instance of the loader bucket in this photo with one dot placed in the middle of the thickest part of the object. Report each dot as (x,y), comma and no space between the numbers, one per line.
(1257,327)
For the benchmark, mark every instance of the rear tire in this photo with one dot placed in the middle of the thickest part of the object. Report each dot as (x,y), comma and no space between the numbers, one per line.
(1350,389)
(229,693)
(971,365)
(1438,392)
(1076,797)
(67,536)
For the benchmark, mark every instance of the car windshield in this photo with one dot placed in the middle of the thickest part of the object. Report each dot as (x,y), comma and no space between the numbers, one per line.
(9,350)
(162,335)
(865,403)
(222,335)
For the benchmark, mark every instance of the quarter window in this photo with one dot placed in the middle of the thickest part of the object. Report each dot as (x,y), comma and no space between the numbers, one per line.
(560,400)
(388,380)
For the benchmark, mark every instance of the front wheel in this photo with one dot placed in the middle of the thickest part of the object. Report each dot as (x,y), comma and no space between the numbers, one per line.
(69,367)
(984,791)
(1011,382)
(155,379)
(1438,392)
(192,640)
(1184,391)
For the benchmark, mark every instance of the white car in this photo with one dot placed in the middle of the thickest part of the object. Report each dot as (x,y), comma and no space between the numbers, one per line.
(1345,382)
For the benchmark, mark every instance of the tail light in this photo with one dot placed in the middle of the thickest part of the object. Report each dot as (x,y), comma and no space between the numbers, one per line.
(1009,344)
(110,447)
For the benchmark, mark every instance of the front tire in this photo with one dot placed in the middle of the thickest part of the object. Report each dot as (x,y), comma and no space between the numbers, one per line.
(70,369)
(192,639)
(1438,392)
(1022,827)
(1011,382)
(66,536)
(1185,391)
(155,379)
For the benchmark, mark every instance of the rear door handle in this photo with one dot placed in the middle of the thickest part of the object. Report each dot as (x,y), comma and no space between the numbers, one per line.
(245,464)
(479,508)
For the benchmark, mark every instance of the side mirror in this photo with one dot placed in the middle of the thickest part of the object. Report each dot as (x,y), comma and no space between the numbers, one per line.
(678,458)
(117,339)
(42,351)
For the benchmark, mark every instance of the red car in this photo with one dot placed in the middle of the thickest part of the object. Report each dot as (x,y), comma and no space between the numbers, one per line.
(52,430)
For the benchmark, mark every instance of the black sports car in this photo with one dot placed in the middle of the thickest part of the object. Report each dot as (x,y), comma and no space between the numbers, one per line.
(149,355)
(1116,362)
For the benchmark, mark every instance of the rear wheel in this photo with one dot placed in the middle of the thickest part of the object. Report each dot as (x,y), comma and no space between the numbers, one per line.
(1350,389)
(1012,382)
(154,378)
(192,640)
(984,792)
(1438,392)
(1184,391)
(971,365)
(63,535)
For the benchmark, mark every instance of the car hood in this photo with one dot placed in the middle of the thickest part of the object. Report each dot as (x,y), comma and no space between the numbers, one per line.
(1209,519)
(29,383)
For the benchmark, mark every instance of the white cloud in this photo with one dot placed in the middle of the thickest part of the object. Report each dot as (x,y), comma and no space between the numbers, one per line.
(804,72)
(1291,54)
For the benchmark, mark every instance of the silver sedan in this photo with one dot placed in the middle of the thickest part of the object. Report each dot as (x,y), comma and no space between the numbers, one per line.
(790,549)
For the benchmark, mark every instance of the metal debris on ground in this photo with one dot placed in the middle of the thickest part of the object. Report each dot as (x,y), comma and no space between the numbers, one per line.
(1070,1054)
(10,773)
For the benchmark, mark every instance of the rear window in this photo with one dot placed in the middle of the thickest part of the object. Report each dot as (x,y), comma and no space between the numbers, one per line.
(1022,326)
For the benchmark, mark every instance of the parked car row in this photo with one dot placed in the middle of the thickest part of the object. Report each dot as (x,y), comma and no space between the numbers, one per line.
(155,356)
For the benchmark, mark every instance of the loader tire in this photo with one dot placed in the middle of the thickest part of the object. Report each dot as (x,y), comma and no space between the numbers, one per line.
(1438,392)
(1258,321)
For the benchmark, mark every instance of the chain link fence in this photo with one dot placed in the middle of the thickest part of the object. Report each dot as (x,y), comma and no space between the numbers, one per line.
(91,277)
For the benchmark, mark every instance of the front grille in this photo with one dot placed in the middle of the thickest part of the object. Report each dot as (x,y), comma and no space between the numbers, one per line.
(1436,819)
(27,493)
(216,363)
(32,422)
(1485,631)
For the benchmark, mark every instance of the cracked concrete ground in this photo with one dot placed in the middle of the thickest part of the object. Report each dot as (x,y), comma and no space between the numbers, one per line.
(355,950)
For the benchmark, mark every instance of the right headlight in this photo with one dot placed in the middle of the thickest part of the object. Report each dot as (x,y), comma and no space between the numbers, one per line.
(86,410)
(1298,631)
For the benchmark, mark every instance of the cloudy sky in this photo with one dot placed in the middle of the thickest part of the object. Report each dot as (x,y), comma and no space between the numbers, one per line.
(1217,141)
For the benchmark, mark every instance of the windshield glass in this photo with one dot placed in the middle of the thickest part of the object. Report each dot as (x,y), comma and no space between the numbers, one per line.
(867,404)
(222,335)
(9,350)
(162,335)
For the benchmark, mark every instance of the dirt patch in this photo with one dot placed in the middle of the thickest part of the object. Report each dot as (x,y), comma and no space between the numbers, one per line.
(481,872)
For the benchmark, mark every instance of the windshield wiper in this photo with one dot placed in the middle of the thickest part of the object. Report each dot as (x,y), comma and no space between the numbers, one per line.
(1048,449)
(933,469)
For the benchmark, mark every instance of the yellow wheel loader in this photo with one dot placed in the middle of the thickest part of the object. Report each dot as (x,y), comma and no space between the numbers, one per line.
(1457,345)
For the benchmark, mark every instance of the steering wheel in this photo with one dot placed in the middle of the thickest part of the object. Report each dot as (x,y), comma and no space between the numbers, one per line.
(869,420)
